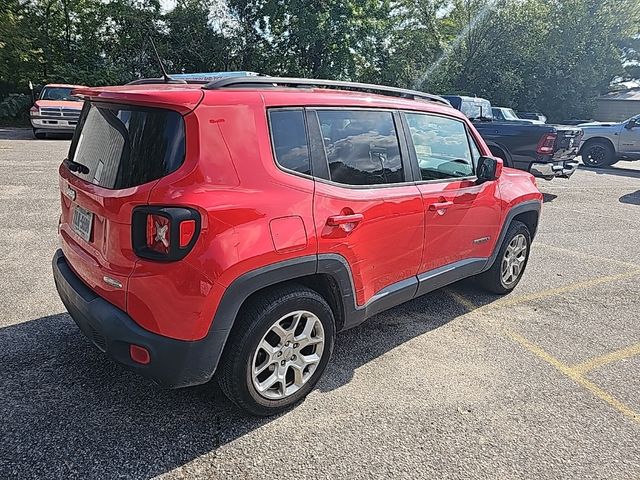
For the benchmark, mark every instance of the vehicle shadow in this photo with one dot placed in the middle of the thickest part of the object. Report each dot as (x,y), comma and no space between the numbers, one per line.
(7,133)
(631,198)
(616,171)
(69,412)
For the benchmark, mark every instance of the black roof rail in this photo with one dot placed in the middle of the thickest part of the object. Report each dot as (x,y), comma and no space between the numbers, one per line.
(156,81)
(266,82)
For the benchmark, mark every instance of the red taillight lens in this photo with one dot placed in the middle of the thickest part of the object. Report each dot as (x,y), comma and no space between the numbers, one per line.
(165,234)
(139,354)
(158,233)
(546,144)
(187,230)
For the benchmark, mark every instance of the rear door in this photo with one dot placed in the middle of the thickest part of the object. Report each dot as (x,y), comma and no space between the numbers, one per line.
(366,209)
(116,157)
(462,217)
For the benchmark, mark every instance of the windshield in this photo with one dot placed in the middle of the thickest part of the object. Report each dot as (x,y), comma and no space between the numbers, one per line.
(125,146)
(58,93)
(509,114)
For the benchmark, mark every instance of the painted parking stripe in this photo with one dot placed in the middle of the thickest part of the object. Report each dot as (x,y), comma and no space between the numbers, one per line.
(607,358)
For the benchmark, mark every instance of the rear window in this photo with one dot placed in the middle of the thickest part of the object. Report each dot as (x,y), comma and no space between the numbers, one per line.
(125,146)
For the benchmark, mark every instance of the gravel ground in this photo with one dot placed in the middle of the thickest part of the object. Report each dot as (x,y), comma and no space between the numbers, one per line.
(456,384)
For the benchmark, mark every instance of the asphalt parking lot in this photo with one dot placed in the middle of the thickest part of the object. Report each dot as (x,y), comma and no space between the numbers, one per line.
(543,383)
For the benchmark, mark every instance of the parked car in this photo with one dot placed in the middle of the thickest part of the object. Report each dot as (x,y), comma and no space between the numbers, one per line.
(533,116)
(234,227)
(504,114)
(55,111)
(603,144)
(546,151)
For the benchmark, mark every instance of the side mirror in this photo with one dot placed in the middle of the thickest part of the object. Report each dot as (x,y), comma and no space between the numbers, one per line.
(631,124)
(488,169)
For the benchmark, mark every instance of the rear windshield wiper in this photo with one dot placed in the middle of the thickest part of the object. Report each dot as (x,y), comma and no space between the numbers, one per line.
(76,167)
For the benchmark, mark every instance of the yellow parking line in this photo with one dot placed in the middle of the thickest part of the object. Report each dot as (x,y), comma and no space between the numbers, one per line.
(508,302)
(575,376)
(602,360)
(586,255)
(574,373)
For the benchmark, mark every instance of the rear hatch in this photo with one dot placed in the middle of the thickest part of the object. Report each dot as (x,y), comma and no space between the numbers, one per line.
(118,153)
(567,142)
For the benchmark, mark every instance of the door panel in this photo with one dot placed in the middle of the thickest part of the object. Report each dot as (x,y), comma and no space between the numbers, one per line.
(384,245)
(462,220)
(629,142)
(364,209)
(462,217)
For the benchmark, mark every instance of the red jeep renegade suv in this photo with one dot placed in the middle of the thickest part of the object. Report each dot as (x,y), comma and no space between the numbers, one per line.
(234,227)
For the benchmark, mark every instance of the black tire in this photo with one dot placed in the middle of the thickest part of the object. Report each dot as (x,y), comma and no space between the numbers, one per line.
(256,318)
(598,154)
(492,280)
(498,152)
(39,135)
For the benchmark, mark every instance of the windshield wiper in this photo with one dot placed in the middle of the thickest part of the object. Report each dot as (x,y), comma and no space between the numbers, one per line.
(76,167)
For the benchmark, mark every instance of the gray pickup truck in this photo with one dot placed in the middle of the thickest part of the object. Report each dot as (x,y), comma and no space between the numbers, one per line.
(603,144)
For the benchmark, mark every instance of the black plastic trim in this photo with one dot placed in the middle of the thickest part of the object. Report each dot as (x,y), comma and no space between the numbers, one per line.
(528,206)
(174,363)
(270,82)
(176,215)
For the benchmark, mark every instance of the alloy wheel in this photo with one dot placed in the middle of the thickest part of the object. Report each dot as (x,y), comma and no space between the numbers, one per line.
(288,355)
(514,260)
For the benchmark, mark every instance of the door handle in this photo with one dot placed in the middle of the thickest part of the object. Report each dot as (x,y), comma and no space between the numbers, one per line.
(440,206)
(337,220)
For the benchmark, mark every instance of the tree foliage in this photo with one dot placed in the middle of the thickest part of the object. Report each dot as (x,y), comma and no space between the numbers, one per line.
(554,56)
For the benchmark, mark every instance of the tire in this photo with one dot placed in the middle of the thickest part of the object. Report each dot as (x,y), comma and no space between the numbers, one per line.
(598,154)
(254,326)
(498,152)
(39,135)
(493,279)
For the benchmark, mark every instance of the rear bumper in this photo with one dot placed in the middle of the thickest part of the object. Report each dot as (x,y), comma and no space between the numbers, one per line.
(174,363)
(563,169)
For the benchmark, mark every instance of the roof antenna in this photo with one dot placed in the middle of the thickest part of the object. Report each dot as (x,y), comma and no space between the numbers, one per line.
(165,76)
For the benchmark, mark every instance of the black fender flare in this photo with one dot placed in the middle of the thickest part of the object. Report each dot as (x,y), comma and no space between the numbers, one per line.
(523,207)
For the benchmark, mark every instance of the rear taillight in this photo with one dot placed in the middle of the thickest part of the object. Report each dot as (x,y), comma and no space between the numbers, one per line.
(164,233)
(546,144)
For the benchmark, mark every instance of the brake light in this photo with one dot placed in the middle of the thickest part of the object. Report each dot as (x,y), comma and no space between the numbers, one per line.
(187,229)
(164,233)
(158,233)
(546,144)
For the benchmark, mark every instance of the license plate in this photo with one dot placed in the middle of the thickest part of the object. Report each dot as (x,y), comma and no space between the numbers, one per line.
(82,221)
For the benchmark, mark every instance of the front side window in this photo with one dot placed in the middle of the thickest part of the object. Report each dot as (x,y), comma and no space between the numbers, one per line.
(290,140)
(442,146)
(362,147)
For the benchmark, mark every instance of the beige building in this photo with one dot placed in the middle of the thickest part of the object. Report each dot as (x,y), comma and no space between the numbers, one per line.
(617,106)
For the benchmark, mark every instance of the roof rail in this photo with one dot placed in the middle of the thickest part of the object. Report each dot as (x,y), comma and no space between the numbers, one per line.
(267,82)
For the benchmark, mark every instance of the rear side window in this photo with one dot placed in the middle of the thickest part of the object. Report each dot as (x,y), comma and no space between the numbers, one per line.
(125,146)
(288,133)
(362,147)
(442,146)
